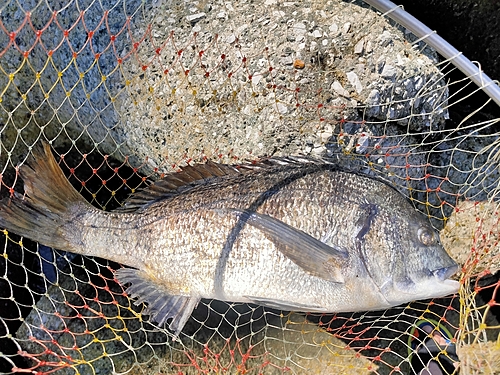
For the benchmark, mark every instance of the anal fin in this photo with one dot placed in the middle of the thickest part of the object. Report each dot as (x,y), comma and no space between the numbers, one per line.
(161,305)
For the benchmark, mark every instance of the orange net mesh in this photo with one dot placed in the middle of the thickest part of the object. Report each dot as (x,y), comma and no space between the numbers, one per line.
(127,91)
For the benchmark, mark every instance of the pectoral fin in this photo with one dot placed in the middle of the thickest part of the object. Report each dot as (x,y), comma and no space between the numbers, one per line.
(161,305)
(313,256)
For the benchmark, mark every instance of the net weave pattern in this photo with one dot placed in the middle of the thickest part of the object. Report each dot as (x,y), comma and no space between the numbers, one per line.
(127,91)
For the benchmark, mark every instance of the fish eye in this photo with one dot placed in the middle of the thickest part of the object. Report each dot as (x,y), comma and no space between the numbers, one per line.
(425,236)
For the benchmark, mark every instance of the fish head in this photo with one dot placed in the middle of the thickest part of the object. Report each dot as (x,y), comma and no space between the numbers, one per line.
(406,260)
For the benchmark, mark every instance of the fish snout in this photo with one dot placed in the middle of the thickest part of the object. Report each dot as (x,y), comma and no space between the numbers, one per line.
(445,272)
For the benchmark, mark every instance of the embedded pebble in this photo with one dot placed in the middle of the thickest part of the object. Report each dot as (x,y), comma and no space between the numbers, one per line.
(389,71)
(317,33)
(385,39)
(299,28)
(358,48)
(282,108)
(369,47)
(299,64)
(195,17)
(354,80)
(339,89)
(287,60)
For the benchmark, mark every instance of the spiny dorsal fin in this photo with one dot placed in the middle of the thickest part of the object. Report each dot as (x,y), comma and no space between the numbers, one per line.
(173,183)
(176,182)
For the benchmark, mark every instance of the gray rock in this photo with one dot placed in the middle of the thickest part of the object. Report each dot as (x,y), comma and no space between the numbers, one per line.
(228,117)
(389,72)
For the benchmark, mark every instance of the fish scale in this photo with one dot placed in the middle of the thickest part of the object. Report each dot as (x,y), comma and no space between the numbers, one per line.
(291,233)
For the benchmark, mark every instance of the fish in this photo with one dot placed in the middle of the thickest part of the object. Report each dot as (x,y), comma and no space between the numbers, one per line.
(291,233)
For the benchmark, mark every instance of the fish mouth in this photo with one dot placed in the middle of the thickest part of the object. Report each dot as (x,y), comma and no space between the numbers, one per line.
(451,283)
(446,287)
(435,283)
(397,294)
(405,290)
(445,273)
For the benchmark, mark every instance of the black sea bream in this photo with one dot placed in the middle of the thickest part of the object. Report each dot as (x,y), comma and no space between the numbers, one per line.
(292,234)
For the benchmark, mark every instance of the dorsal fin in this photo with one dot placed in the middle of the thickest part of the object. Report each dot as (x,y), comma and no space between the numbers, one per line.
(173,183)
(176,182)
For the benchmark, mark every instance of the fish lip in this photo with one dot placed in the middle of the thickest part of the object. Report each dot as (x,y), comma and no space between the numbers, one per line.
(445,273)
(451,282)
(447,287)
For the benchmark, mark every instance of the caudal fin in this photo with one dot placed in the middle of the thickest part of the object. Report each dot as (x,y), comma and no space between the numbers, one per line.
(50,203)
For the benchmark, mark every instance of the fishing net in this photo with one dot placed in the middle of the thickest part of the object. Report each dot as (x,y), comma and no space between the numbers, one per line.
(126,91)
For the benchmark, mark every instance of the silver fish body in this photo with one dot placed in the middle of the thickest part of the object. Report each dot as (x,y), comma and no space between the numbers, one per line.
(290,234)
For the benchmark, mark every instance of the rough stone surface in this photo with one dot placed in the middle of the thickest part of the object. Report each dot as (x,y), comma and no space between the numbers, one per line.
(471,237)
(58,85)
(242,97)
(482,357)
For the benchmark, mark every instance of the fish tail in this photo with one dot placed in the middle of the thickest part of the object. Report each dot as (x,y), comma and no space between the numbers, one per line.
(49,204)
